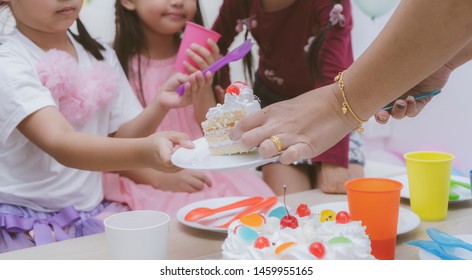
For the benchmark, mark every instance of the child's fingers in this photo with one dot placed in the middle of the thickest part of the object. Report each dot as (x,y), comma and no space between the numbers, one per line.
(199,60)
(198,81)
(208,78)
(189,67)
(200,50)
(215,50)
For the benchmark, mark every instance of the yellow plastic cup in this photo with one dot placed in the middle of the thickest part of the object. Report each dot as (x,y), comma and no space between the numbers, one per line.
(429,176)
(376,202)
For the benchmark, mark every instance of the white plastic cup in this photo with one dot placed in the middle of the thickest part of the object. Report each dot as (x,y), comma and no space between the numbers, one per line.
(137,235)
(197,34)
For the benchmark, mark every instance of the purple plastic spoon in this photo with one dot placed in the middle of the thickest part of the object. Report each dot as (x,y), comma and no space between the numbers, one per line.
(233,55)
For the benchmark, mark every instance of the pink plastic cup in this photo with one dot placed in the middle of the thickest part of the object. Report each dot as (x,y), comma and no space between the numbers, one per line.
(197,34)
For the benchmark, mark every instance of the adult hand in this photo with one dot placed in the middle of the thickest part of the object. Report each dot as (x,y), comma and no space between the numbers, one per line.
(306,125)
(407,106)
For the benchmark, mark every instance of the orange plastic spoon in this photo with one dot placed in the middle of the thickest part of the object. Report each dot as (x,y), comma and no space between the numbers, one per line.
(268,202)
(202,212)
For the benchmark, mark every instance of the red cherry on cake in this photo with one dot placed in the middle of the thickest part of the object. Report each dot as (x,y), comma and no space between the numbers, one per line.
(303,210)
(289,221)
(317,249)
(261,242)
(233,89)
(343,217)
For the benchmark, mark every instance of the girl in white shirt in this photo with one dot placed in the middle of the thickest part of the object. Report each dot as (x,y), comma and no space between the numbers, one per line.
(68,112)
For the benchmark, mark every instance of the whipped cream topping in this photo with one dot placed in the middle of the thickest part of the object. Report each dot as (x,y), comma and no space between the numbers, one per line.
(310,230)
(243,100)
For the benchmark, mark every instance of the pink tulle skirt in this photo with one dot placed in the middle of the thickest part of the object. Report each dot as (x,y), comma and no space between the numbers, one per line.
(227,183)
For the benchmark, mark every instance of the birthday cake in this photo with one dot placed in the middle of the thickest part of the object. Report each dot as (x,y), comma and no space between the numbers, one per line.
(239,102)
(303,235)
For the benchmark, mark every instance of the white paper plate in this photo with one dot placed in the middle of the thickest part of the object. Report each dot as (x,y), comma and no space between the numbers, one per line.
(464,194)
(461,253)
(200,158)
(407,220)
(211,222)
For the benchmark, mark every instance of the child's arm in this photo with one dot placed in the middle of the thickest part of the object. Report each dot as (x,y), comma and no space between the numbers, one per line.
(182,181)
(49,130)
(203,99)
(151,117)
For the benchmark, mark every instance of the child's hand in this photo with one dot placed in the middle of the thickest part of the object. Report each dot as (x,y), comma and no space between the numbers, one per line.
(202,56)
(163,146)
(169,98)
(184,181)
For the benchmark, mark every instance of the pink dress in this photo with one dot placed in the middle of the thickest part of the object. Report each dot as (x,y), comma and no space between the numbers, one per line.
(243,182)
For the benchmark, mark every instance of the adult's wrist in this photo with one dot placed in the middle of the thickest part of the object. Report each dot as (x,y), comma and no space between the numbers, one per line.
(346,107)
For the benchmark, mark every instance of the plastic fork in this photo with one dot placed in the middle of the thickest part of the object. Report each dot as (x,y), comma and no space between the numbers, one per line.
(203,212)
(233,55)
(266,203)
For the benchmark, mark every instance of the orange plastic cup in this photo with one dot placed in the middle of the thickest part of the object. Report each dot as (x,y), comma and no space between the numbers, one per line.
(376,202)
(197,34)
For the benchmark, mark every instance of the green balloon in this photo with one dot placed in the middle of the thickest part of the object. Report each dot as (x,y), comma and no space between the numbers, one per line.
(376,8)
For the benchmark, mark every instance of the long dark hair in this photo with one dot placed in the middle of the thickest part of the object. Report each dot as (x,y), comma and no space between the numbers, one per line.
(248,60)
(313,51)
(315,47)
(130,40)
(89,44)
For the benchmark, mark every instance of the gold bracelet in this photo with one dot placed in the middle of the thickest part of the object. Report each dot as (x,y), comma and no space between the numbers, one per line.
(345,107)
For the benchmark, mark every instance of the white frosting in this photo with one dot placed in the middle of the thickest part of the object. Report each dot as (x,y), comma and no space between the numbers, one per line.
(221,118)
(310,230)
(244,101)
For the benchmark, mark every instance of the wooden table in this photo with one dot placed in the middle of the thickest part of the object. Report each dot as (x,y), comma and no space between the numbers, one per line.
(187,243)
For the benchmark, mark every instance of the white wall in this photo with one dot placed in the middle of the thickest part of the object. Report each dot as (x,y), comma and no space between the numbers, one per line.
(442,125)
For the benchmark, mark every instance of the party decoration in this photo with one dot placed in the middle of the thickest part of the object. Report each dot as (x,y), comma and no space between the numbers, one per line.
(343,217)
(278,212)
(283,246)
(339,240)
(317,249)
(261,242)
(303,210)
(327,215)
(247,234)
(252,220)
(376,8)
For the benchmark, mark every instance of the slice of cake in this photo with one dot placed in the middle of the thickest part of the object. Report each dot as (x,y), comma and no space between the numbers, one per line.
(239,102)
(302,235)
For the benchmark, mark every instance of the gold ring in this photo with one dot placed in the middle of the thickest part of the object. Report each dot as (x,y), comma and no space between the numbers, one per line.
(277,142)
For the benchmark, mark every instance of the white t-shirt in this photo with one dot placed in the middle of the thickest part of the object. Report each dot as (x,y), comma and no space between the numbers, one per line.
(28,176)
